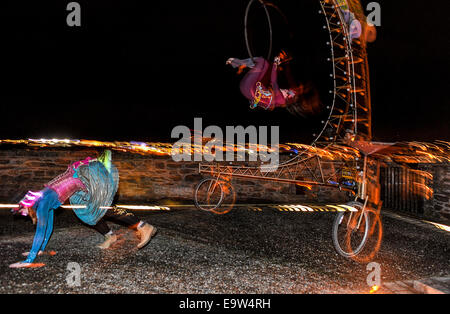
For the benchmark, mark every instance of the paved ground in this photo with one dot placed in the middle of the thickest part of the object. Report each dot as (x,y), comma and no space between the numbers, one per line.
(244,251)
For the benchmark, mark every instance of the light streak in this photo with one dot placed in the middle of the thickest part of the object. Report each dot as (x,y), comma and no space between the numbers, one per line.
(315,208)
(132,207)
(402,152)
(350,208)
(339,209)
(406,153)
(289,208)
(439,226)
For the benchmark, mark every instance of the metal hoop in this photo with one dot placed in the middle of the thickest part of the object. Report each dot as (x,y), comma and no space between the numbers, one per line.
(246,31)
(350,108)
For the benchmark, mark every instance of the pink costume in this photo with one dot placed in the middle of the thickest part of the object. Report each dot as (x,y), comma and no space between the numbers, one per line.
(65,185)
(253,88)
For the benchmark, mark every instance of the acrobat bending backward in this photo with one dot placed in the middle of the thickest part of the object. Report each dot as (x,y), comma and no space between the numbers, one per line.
(92,182)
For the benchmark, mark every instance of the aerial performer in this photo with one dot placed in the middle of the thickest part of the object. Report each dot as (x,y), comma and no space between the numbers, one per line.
(260,84)
(260,87)
(91,183)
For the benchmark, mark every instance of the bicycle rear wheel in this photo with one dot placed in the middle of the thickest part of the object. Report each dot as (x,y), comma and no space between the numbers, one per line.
(209,194)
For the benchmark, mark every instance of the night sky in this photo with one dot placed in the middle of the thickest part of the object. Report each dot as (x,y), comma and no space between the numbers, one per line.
(136,69)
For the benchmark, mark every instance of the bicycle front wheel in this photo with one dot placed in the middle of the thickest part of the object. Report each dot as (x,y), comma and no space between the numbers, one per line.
(351,231)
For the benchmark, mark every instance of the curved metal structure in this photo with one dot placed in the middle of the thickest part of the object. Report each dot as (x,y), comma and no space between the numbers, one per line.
(350,110)
(349,113)
(349,118)
(350,107)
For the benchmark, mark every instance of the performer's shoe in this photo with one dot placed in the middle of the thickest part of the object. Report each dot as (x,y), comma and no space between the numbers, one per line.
(145,234)
(109,240)
(241,64)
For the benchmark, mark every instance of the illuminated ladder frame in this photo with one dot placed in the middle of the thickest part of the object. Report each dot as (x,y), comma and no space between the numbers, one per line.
(350,110)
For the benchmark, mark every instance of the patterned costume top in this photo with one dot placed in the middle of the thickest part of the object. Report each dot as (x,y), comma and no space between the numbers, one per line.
(65,185)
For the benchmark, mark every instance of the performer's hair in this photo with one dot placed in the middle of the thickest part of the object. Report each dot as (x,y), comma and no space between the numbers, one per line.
(105,159)
(306,101)
(32,214)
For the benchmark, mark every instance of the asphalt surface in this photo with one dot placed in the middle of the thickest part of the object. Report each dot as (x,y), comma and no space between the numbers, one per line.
(198,252)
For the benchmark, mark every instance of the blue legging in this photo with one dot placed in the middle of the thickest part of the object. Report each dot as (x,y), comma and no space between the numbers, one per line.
(44,229)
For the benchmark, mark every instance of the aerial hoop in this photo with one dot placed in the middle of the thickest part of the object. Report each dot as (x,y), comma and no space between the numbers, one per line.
(349,110)
(247,10)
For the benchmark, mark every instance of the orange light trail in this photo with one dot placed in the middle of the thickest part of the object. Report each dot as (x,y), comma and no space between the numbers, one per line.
(403,152)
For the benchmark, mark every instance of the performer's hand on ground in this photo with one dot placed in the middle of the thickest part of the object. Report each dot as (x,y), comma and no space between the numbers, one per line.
(51,253)
(20,265)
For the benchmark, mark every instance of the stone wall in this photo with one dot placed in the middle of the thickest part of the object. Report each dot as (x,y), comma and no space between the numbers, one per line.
(438,207)
(418,189)
(151,179)
(144,179)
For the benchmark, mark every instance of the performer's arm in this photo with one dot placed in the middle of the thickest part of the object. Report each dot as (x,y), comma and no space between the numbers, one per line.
(43,214)
(48,234)
(48,231)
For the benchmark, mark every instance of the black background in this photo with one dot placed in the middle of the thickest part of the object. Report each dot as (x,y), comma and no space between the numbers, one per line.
(136,69)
